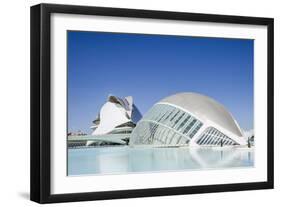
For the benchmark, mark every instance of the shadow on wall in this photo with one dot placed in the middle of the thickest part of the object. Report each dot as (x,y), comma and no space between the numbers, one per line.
(24,195)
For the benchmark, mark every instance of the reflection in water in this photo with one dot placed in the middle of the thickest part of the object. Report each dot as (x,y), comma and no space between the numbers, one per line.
(111,160)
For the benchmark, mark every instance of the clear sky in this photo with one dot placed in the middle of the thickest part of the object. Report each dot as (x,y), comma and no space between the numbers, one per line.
(151,67)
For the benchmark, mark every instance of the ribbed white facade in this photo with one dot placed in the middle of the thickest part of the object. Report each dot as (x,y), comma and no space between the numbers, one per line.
(187,119)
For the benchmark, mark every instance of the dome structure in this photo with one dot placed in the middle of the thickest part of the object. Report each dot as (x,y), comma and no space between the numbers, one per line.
(187,119)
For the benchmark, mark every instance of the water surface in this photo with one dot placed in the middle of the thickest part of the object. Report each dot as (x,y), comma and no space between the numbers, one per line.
(124,159)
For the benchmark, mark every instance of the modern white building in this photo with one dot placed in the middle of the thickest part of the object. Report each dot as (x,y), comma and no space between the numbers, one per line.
(117,116)
(187,119)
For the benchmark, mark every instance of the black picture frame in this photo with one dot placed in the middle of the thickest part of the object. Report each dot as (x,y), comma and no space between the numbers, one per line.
(41,98)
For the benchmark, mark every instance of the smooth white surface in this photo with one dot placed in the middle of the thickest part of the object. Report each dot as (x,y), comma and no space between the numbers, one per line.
(205,108)
(14,105)
(111,116)
(60,183)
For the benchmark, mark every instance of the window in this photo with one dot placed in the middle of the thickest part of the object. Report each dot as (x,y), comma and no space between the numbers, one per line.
(167,125)
(195,130)
(212,136)
(184,122)
(189,126)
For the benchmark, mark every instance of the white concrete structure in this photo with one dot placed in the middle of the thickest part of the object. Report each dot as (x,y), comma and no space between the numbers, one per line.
(117,116)
(187,119)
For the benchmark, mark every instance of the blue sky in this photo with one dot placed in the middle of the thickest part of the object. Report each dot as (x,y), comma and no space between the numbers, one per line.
(151,67)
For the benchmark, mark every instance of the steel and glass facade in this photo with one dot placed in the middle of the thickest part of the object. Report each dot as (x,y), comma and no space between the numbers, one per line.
(165,125)
(187,119)
(213,137)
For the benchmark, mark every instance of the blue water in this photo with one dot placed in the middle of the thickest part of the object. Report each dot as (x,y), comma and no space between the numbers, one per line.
(124,159)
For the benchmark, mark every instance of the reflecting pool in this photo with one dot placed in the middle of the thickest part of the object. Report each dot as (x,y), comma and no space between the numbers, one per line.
(124,159)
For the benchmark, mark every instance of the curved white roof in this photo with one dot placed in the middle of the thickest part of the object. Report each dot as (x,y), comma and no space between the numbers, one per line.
(205,108)
(116,111)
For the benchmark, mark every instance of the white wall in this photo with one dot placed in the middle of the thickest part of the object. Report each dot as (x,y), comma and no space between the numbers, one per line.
(14,101)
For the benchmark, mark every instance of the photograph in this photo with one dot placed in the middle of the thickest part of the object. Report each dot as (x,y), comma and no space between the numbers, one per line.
(153,103)
(129,103)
